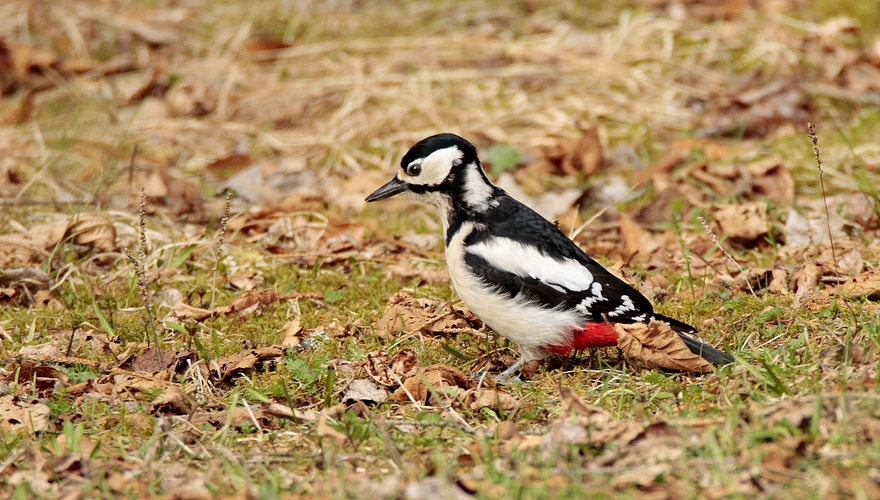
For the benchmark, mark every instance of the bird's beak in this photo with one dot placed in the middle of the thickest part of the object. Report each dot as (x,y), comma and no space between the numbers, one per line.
(392,188)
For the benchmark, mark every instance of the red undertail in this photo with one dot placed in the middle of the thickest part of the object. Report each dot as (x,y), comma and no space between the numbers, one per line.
(591,335)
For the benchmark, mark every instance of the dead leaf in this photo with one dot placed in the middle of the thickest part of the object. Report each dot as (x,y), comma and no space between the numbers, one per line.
(364,390)
(42,378)
(324,429)
(155,361)
(438,378)
(477,399)
(230,164)
(806,279)
(244,280)
(93,230)
(190,98)
(756,109)
(182,312)
(506,430)
(26,286)
(639,241)
(771,180)
(864,285)
(659,345)
(390,371)
(577,156)
(292,334)
(745,221)
(14,414)
(245,360)
(406,314)
(248,302)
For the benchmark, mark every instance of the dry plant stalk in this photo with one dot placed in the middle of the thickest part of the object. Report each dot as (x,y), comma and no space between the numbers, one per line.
(814,138)
(221,238)
(140,263)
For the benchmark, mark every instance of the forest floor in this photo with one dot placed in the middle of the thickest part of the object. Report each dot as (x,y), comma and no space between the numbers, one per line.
(198,302)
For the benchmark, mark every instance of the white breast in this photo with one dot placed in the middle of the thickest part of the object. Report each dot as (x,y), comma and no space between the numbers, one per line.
(529,326)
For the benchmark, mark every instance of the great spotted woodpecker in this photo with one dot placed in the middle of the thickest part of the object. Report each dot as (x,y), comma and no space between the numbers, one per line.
(514,269)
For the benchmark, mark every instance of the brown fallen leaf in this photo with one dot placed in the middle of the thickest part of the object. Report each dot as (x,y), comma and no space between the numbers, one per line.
(324,429)
(22,286)
(806,279)
(577,156)
(407,314)
(477,399)
(658,344)
(864,285)
(637,240)
(390,370)
(44,379)
(435,377)
(245,360)
(756,109)
(293,332)
(363,389)
(244,280)
(15,414)
(155,361)
(93,230)
(744,221)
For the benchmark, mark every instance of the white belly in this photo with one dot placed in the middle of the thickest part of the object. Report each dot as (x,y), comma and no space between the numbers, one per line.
(529,326)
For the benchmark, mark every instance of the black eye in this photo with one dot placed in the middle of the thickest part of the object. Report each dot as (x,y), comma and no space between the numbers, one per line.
(414,170)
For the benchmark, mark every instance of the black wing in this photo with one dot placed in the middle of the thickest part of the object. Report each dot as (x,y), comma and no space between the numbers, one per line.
(511,219)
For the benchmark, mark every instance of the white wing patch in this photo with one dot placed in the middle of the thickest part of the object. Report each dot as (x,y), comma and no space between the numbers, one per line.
(587,302)
(435,167)
(526,261)
(626,305)
(477,191)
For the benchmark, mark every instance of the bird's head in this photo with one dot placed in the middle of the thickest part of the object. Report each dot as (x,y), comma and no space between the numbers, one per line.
(442,170)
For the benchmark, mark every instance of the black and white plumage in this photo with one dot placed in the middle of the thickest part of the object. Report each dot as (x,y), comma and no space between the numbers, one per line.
(514,269)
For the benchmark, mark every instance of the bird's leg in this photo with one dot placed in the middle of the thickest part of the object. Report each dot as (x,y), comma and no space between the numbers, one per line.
(509,376)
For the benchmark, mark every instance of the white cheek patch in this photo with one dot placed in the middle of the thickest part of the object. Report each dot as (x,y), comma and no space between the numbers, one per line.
(528,262)
(435,167)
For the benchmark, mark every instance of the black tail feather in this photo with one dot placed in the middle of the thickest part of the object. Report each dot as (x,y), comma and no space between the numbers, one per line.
(715,356)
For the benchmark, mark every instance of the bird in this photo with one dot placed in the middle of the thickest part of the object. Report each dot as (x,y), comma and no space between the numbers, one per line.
(514,269)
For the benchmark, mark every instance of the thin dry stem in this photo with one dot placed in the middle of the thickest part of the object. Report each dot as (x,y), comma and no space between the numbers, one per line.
(811,130)
(717,243)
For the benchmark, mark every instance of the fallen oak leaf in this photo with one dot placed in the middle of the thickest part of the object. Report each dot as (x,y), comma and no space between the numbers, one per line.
(659,345)
(864,285)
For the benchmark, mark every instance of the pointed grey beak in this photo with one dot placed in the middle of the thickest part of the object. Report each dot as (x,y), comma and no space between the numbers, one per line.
(394,187)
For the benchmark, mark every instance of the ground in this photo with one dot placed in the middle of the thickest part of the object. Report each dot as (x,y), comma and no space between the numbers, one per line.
(197,301)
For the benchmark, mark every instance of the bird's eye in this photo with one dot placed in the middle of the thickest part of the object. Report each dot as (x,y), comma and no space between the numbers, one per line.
(414,170)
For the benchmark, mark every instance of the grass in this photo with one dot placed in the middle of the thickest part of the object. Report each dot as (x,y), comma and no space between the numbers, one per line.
(357,85)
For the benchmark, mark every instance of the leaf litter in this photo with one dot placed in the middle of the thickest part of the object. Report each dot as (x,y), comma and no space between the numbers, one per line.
(302,129)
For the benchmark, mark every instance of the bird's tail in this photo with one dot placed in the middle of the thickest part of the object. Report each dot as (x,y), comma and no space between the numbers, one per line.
(715,356)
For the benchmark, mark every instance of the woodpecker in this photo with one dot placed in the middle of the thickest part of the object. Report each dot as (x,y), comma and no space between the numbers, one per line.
(516,270)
